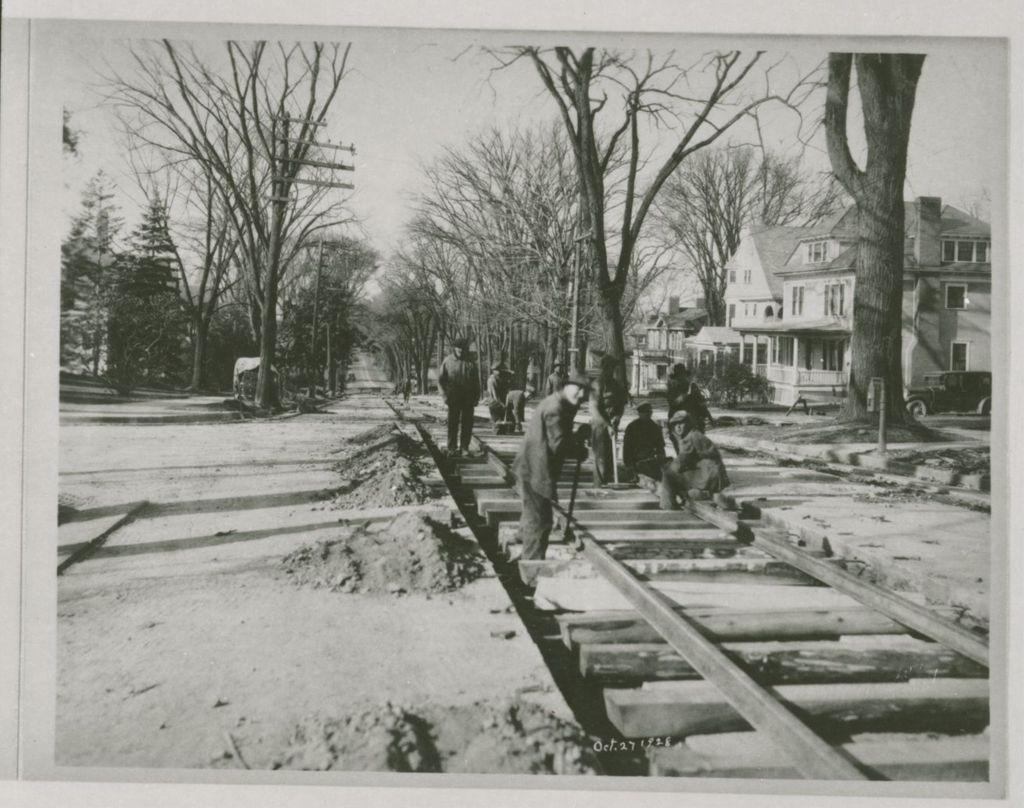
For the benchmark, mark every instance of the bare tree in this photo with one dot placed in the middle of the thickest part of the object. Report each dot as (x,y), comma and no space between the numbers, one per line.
(716,194)
(234,119)
(699,104)
(888,86)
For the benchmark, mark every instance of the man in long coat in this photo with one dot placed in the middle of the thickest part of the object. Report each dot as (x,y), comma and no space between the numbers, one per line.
(460,387)
(607,403)
(548,442)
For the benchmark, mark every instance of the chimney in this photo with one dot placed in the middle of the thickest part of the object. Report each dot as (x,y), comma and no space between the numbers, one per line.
(927,245)
(673,305)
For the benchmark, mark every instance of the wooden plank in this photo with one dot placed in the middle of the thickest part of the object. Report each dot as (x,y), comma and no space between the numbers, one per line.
(813,757)
(729,624)
(884,659)
(680,709)
(890,756)
(589,594)
(754,570)
(919,618)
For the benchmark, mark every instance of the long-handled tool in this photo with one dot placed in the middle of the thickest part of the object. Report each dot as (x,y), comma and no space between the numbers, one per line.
(616,485)
(568,534)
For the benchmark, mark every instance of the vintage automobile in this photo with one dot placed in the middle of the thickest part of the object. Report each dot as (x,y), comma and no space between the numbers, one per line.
(952,391)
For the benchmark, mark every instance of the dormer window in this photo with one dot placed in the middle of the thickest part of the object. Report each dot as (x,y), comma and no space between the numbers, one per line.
(817,252)
(964,251)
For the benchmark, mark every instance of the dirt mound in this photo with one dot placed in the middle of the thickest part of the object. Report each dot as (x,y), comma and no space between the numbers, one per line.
(384,468)
(409,554)
(522,738)
(511,738)
(967,460)
(387,739)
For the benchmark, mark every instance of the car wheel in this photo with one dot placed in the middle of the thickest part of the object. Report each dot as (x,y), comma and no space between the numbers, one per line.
(917,408)
(985,408)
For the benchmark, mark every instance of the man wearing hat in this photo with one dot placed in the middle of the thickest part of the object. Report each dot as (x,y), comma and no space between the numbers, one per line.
(697,471)
(548,442)
(643,447)
(555,379)
(497,391)
(515,408)
(683,394)
(460,387)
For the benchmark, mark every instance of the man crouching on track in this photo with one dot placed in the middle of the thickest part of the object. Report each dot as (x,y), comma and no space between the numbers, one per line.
(548,442)
(697,471)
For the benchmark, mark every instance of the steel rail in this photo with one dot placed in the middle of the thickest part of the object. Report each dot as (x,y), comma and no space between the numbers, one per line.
(812,756)
(915,617)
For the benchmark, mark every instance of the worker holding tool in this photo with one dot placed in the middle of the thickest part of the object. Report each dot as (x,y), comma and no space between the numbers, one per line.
(697,471)
(549,440)
(684,394)
(643,448)
(607,403)
(515,408)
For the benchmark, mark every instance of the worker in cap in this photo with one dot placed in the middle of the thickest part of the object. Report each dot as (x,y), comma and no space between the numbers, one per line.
(643,448)
(607,403)
(684,394)
(459,383)
(548,442)
(555,379)
(498,384)
(697,471)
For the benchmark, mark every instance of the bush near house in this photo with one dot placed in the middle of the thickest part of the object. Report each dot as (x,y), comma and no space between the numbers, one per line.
(729,381)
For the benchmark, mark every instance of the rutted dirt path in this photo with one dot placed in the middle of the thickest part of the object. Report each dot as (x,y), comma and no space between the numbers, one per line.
(186,642)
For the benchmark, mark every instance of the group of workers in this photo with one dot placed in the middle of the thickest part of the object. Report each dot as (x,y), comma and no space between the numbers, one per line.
(695,472)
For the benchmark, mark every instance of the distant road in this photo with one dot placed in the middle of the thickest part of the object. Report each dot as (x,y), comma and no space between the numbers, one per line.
(368,375)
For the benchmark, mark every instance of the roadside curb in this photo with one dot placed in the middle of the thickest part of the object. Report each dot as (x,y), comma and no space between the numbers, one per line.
(974,482)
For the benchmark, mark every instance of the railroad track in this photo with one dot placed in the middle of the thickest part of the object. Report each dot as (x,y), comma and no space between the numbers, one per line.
(722,649)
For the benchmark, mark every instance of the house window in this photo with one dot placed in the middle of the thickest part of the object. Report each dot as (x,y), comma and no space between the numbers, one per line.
(785,351)
(833,355)
(835,299)
(958,356)
(768,313)
(747,275)
(732,313)
(956,296)
(817,251)
(755,310)
(963,251)
(732,276)
(661,371)
(797,301)
(746,309)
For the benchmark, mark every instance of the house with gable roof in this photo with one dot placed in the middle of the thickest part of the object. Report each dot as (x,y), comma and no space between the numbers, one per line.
(659,342)
(806,353)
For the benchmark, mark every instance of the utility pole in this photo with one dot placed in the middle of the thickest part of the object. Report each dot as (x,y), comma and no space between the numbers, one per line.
(285,168)
(316,311)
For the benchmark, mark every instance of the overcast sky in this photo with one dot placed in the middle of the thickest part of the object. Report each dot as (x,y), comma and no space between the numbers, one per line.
(412,92)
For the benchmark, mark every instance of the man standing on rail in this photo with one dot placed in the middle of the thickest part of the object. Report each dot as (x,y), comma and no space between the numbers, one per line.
(643,448)
(697,471)
(555,379)
(460,387)
(607,403)
(548,442)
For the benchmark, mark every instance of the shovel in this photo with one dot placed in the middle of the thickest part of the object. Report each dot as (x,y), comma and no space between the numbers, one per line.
(615,463)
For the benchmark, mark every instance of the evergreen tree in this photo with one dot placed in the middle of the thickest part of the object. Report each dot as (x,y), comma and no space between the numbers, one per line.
(87,256)
(147,266)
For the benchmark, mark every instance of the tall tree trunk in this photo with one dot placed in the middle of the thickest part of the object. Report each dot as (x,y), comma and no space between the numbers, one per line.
(888,86)
(201,328)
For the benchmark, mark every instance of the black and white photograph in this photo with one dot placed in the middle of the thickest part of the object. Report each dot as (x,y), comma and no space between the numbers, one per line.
(583,409)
